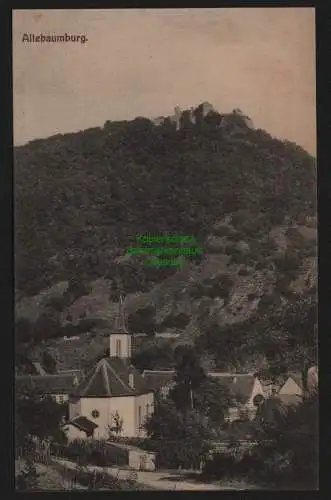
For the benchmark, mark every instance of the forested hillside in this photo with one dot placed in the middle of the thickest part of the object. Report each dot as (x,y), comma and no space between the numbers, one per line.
(249,200)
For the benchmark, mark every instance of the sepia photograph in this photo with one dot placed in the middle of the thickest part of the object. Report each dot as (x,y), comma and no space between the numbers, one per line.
(165,234)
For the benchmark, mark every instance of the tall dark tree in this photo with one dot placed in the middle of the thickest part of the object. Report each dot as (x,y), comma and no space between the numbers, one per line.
(48,362)
(39,416)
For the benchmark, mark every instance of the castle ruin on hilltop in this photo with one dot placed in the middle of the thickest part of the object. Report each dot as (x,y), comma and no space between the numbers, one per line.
(195,115)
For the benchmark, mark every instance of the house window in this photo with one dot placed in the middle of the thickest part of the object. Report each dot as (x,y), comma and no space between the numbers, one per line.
(95,414)
(61,399)
(131,380)
(118,348)
(147,410)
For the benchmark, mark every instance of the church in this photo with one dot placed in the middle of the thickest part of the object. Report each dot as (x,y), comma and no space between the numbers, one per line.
(112,392)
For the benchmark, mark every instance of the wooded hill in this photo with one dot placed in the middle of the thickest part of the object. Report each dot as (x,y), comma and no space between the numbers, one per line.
(249,199)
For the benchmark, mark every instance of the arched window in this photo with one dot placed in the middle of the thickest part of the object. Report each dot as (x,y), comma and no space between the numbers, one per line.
(118,348)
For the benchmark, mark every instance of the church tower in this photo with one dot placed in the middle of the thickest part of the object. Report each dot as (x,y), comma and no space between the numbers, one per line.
(120,339)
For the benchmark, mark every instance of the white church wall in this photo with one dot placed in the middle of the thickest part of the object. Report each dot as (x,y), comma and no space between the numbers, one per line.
(146,403)
(125,406)
(103,419)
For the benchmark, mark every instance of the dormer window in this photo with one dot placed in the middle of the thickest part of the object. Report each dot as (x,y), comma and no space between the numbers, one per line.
(131,380)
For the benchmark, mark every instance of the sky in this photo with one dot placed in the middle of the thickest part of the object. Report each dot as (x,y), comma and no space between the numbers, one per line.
(143,62)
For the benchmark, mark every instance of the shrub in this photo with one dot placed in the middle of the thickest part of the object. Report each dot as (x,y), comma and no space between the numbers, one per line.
(28,478)
(220,465)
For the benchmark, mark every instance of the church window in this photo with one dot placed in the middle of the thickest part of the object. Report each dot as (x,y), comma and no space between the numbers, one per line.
(95,414)
(118,348)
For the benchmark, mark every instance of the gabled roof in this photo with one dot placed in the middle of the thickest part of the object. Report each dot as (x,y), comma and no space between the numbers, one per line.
(110,378)
(83,424)
(45,384)
(297,377)
(156,379)
(240,384)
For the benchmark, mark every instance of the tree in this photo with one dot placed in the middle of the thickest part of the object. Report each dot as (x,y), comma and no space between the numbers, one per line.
(288,448)
(117,424)
(153,355)
(180,439)
(38,415)
(189,375)
(212,399)
(48,362)
(27,479)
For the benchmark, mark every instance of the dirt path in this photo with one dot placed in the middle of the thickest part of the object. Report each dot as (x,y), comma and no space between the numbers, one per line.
(159,480)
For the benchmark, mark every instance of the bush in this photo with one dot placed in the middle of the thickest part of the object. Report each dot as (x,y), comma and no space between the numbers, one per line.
(220,466)
(28,478)
(96,452)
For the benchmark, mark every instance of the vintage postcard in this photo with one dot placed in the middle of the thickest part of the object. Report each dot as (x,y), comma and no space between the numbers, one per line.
(165,249)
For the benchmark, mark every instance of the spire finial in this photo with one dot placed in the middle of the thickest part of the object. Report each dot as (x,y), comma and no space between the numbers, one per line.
(120,320)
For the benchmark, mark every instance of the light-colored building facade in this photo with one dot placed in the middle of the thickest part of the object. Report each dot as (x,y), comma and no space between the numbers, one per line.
(114,395)
(57,386)
(244,387)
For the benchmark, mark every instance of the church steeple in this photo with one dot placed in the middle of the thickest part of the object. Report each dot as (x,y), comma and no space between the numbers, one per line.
(120,324)
(120,339)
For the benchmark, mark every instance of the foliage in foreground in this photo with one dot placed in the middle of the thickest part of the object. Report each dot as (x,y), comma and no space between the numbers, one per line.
(27,479)
(286,455)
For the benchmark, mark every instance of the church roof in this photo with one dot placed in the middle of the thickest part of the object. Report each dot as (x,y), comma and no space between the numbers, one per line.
(110,378)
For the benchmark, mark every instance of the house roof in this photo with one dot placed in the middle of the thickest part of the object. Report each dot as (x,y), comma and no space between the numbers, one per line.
(156,379)
(83,424)
(240,384)
(296,377)
(110,378)
(46,384)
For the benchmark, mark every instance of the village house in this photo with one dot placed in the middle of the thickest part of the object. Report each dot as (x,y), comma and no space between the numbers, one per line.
(244,387)
(294,388)
(56,386)
(160,381)
(113,389)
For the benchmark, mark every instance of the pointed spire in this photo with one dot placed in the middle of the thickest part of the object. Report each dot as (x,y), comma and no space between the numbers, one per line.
(120,325)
